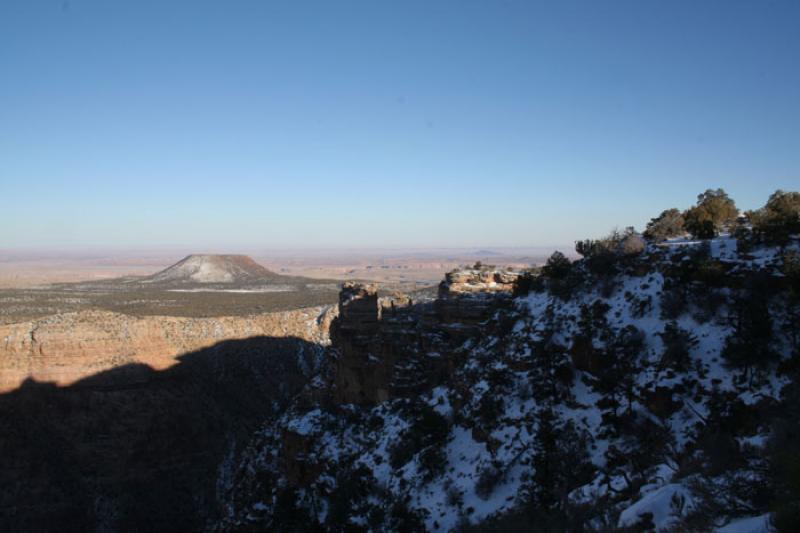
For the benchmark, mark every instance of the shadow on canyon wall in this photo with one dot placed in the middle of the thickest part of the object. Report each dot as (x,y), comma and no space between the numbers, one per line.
(134,449)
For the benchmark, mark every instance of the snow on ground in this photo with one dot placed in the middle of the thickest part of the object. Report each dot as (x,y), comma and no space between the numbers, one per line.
(660,503)
(753,524)
(451,497)
(265,289)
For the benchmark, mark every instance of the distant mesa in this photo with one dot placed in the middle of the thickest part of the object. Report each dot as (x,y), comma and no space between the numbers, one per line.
(211,268)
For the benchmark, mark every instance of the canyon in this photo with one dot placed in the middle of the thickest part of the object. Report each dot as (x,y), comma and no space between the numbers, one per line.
(602,386)
(115,422)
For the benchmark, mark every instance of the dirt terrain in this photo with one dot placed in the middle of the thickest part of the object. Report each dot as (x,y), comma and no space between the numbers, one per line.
(33,286)
(196,286)
(411,268)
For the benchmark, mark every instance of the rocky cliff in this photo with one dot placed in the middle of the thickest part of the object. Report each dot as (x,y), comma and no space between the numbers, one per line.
(67,347)
(392,347)
(117,423)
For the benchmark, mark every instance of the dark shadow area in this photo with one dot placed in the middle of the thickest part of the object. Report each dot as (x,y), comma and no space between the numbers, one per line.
(134,449)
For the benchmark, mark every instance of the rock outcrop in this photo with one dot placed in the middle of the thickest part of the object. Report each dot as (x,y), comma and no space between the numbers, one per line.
(388,347)
(477,281)
(361,374)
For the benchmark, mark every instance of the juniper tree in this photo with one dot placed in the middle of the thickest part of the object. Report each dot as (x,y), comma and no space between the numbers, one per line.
(778,219)
(714,211)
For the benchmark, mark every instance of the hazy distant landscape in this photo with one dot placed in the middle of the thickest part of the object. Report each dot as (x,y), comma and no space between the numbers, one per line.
(35,285)
(19,269)
(451,266)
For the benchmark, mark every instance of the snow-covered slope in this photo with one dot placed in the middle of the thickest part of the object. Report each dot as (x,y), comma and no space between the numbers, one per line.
(633,396)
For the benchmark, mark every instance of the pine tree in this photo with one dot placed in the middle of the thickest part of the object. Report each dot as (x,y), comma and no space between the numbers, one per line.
(557,266)
(791,324)
(560,464)
(546,468)
(551,374)
(750,347)
(617,380)
(678,344)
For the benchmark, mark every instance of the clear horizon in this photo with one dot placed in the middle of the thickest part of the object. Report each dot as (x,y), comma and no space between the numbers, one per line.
(368,125)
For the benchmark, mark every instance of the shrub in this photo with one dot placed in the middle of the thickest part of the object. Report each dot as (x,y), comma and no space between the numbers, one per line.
(707,303)
(288,513)
(526,283)
(639,305)
(488,479)
(353,484)
(403,518)
(678,344)
(483,267)
(563,288)
(610,244)
(490,407)
(601,255)
(674,302)
(454,498)
(432,462)
(631,244)
(428,429)
(791,323)
(784,460)
(711,273)
(666,225)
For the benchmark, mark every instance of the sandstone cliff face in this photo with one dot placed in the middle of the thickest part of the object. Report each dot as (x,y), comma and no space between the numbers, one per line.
(476,281)
(467,298)
(360,375)
(389,347)
(66,348)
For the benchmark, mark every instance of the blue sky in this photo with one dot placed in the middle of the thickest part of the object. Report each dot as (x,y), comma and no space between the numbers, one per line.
(386,124)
